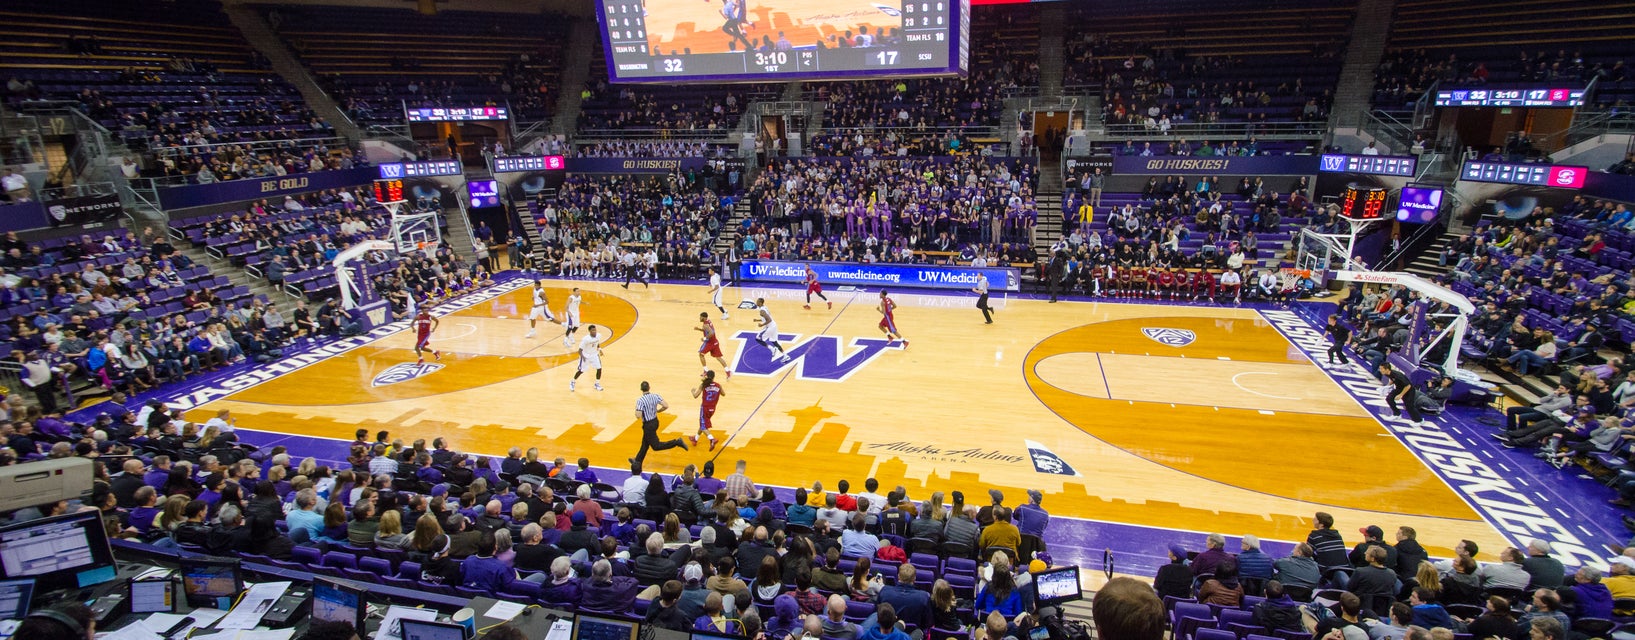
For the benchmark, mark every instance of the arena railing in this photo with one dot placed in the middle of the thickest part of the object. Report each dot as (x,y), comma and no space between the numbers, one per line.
(254,147)
(700,135)
(1219,130)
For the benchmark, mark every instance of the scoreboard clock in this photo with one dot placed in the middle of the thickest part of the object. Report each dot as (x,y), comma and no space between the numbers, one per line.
(1363,203)
(389,191)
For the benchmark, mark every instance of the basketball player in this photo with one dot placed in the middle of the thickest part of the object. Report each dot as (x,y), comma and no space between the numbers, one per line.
(769,330)
(711,345)
(812,287)
(888,318)
(590,357)
(424,324)
(733,11)
(570,318)
(715,292)
(540,310)
(1166,283)
(711,393)
(981,292)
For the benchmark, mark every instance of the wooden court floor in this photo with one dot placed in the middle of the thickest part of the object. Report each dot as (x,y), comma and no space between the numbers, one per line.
(1234,431)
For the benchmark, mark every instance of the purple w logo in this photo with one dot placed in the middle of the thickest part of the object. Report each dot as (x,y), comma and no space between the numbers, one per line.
(820,357)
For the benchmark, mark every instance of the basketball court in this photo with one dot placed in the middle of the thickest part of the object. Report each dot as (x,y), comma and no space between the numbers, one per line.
(1165,417)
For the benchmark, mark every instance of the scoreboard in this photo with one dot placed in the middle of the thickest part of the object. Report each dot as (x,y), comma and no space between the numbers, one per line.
(673,41)
(1363,203)
(1402,166)
(1542,175)
(399,170)
(456,114)
(516,164)
(1511,97)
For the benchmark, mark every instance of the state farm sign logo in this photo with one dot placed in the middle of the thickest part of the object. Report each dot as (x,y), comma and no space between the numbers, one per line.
(1567,177)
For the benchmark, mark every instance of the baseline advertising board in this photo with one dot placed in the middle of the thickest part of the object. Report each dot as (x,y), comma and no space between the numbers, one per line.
(923,276)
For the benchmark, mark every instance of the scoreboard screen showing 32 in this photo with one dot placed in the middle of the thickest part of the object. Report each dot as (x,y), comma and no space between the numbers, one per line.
(676,41)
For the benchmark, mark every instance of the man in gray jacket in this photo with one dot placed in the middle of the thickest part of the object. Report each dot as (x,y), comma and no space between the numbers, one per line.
(1517,418)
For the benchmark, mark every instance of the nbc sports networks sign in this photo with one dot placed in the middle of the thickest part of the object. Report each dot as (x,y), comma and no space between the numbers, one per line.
(922,276)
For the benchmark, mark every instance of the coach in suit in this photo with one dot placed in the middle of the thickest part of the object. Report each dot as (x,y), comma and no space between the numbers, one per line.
(1055,271)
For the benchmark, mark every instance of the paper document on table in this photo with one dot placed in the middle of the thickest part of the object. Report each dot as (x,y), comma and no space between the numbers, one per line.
(129,632)
(503,610)
(161,622)
(560,630)
(389,627)
(256,602)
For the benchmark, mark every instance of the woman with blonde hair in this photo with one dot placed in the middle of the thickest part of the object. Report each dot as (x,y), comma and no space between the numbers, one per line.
(674,533)
(390,534)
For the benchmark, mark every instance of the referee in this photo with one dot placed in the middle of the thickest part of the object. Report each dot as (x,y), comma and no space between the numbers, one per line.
(981,292)
(1339,335)
(648,407)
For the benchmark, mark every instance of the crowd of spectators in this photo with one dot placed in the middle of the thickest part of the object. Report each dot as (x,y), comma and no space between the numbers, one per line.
(887,209)
(224,162)
(1388,587)
(675,218)
(121,314)
(688,551)
(609,106)
(892,141)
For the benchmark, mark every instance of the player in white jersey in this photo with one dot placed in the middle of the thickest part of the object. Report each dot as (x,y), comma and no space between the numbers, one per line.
(540,310)
(590,357)
(716,290)
(769,330)
(570,317)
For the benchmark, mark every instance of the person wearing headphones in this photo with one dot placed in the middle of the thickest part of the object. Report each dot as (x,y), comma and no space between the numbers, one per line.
(71,622)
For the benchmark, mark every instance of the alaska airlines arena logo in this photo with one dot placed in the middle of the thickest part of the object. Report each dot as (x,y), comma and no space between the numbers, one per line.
(405,372)
(816,358)
(1170,337)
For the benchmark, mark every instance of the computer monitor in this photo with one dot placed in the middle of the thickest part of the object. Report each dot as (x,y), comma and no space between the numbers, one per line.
(428,630)
(153,596)
(15,596)
(595,628)
(1055,586)
(64,552)
(339,601)
(208,581)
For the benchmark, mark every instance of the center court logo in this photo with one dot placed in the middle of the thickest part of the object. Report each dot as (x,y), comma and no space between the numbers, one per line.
(815,358)
(1170,337)
(404,373)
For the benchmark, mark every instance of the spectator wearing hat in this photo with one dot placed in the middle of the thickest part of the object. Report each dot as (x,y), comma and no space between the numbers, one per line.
(1174,579)
(984,516)
(579,538)
(1373,536)
(1620,579)
(1031,519)
(693,591)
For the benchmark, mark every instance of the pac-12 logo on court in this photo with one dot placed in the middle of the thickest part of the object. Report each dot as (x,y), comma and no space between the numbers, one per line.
(816,358)
(1170,337)
(404,373)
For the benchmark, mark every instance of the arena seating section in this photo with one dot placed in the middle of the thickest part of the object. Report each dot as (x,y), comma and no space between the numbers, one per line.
(1553,40)
(1004,56)
(370,58)
(608,109)
(136,76)
(1289,51)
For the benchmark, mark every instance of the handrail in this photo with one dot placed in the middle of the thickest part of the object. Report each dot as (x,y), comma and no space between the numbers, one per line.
(1415,241)
(78,189)
(1218,130)
(258,145)
(656,133)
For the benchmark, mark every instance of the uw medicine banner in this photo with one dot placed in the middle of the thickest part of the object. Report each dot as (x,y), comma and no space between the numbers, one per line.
(924,276)
(199,195)
(1215,165)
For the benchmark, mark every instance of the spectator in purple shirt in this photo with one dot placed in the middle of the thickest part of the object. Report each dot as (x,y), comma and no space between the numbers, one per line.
(585,474)
(147,500)
(1206,562)
(212,490)
(1031,519)
(484,571)
(159,473)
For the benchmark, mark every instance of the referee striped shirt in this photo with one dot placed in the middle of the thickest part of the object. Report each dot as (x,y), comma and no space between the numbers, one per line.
(648,405)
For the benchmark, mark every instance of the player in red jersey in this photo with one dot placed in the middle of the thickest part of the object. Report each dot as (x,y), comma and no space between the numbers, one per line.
(888,318)
(1154,278)
(1126,281)
(812,287)
(424,324)
(710,393)
(711,344)
(1166,281)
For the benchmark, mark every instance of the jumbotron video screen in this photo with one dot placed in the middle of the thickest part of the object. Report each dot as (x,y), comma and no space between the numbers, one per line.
(677,41)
